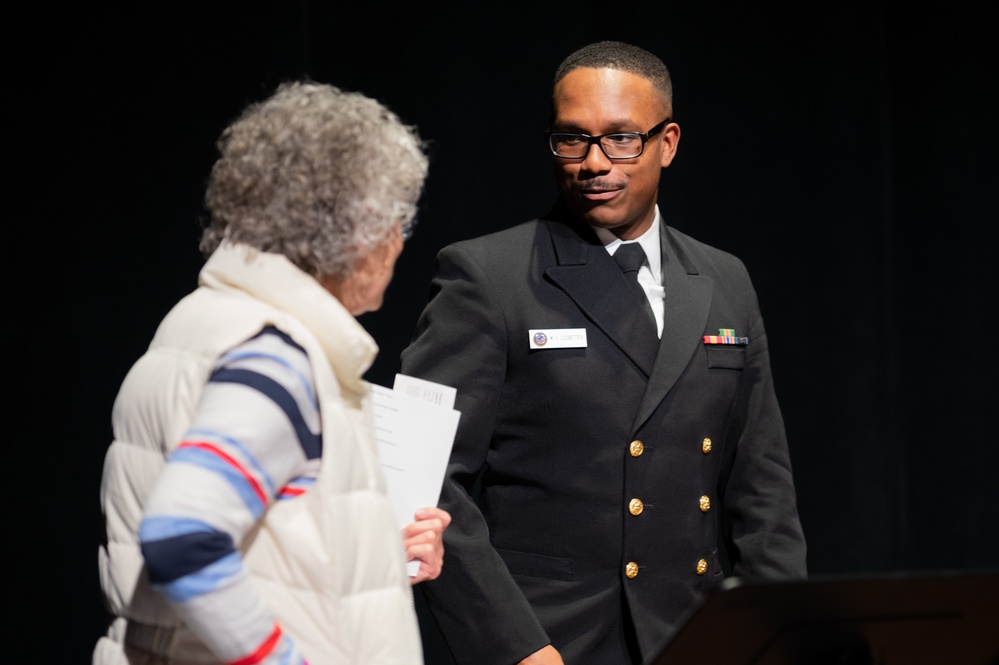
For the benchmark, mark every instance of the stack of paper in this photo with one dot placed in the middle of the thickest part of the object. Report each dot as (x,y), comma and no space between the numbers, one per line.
(415,425)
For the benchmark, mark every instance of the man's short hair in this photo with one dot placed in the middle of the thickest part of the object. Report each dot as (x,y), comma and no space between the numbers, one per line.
(624,57)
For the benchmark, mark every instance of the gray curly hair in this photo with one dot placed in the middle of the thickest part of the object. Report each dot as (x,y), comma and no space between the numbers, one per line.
(316,174)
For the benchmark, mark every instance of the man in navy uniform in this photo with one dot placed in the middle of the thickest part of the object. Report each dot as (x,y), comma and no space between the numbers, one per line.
(621,450)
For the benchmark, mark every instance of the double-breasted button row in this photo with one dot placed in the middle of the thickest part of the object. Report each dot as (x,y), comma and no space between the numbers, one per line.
(635,506)
(631,568)
(636,447)
(704,504)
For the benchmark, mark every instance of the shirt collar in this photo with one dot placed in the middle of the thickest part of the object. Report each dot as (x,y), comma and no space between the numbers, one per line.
(648,240)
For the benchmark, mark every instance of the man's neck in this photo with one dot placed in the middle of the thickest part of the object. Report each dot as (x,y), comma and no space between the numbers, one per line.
(607,236)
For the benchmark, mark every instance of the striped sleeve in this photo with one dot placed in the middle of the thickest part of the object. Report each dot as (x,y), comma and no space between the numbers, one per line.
(254,439)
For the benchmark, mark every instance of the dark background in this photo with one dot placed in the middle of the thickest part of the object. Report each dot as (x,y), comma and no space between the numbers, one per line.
(846,154)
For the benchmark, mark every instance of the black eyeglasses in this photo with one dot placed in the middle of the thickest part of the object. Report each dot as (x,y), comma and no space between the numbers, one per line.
(619,145)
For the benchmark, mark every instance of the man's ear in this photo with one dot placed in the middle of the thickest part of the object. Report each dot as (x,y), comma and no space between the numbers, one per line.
(670,138)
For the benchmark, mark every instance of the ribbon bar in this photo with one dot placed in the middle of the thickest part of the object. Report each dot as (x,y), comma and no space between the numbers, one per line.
(725,339)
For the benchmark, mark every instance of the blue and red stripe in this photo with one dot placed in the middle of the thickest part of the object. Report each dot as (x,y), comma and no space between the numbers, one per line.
(210,456)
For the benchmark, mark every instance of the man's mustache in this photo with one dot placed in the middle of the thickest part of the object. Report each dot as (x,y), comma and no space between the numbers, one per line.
(597,185)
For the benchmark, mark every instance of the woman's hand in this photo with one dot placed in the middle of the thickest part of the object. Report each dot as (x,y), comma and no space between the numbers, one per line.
(423,540)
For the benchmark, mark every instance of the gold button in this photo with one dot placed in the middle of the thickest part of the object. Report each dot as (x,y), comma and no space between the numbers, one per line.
(635,506)
(636,448)
(631,570)
(702,567)
(706,445)
(705,504)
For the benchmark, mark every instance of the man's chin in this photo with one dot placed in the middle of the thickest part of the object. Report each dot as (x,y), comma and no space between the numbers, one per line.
(597,214)
(610,217)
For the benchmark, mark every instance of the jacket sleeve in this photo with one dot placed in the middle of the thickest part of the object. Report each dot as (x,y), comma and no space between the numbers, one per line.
(763,532)
(461,341)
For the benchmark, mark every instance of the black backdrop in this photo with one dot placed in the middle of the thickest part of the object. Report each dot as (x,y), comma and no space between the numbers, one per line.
(847,154)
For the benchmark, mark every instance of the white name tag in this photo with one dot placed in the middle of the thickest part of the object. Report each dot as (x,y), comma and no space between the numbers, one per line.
(558,338)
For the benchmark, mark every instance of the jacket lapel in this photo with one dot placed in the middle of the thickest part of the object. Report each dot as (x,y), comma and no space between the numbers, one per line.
(688,303)
(589,276)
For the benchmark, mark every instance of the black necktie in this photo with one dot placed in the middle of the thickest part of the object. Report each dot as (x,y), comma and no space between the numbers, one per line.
(630,257)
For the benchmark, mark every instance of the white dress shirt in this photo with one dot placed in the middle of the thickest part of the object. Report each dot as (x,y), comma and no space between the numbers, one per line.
(650,274)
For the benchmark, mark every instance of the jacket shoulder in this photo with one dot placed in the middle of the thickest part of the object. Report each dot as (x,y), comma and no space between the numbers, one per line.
(699,257)
(505,251)
(523,233)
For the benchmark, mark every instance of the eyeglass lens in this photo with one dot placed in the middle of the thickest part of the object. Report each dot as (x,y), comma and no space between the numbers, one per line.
(620,146)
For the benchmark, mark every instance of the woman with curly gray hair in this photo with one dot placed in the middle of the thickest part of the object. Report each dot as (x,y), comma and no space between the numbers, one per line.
(247,520)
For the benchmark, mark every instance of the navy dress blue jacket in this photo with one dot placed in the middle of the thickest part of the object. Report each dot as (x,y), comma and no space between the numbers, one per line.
(597,491)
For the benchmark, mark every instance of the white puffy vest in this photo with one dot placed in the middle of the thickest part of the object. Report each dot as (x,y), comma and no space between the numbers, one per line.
(331,562)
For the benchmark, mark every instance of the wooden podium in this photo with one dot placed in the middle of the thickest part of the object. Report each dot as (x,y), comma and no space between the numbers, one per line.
(916,619)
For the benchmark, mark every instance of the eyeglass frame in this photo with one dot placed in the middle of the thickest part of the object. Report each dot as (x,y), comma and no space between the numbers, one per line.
(408,228)
(590,140)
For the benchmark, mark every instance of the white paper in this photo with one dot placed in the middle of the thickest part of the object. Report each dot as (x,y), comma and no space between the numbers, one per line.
(415,425)
(425,391)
